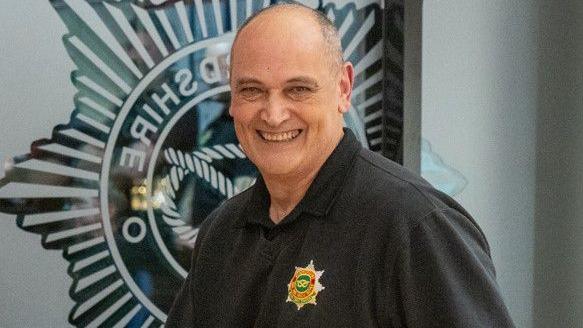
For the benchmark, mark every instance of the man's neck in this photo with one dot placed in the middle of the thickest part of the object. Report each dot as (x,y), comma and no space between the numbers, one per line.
(287,191)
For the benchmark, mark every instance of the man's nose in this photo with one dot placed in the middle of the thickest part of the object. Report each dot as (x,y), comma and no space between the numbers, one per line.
(275,111)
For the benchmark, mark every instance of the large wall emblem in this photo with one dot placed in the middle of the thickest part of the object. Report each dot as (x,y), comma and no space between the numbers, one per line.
(150,149)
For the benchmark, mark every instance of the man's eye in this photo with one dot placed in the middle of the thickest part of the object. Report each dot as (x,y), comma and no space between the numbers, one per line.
(250,92)
(299,92)
(300,89)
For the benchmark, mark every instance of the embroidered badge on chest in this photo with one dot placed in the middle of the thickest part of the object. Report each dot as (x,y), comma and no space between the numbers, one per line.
(304,286)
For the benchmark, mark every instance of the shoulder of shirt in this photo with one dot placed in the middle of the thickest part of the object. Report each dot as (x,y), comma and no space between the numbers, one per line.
(397,186)
(406,194)
(403,201)
(223,215)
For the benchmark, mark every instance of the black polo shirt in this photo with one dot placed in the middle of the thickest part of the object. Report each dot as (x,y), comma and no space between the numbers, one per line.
(370,245)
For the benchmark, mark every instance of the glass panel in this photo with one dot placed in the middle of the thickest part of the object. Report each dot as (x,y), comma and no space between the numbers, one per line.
(150,148)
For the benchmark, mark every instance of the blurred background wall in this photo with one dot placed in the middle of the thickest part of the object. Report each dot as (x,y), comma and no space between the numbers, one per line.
(558,252)
(479,111)
(34,76)
(502,103)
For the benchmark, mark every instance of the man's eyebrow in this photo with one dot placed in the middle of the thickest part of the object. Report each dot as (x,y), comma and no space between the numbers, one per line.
(247,80)
(305,80)
(298,79)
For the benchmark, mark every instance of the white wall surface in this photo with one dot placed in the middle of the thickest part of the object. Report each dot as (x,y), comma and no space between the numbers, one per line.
(479,103)
(33,281)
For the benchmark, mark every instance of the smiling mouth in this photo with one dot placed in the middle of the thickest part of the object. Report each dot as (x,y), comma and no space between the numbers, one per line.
(279,136)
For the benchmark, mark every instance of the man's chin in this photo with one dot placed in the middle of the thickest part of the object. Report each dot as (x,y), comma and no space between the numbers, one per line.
(282,166)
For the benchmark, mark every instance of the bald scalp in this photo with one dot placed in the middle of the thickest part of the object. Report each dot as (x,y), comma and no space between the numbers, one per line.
(332,44)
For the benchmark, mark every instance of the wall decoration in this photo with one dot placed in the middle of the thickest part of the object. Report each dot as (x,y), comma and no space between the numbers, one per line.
(150,149)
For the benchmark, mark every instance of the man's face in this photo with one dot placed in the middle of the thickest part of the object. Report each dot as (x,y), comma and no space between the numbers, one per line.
(286,100)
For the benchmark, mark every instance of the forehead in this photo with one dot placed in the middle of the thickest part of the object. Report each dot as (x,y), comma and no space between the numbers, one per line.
(278,43)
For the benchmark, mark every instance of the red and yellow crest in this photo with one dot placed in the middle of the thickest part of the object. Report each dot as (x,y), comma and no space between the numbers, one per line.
(304,286)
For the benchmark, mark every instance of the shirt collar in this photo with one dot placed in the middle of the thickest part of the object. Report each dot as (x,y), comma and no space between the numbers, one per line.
(321,194)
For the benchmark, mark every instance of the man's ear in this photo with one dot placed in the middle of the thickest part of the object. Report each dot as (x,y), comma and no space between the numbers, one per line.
(346,82)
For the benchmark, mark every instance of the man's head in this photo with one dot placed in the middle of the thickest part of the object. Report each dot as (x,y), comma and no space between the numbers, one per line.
(332,44)
(289,89)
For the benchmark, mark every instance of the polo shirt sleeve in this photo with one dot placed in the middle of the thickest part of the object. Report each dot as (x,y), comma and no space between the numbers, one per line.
(444,276)
(181,313)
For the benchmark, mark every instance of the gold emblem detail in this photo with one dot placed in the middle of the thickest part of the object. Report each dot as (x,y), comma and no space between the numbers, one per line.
(304,286)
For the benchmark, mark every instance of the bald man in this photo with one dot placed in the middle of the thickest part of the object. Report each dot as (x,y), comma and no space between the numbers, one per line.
(331,234)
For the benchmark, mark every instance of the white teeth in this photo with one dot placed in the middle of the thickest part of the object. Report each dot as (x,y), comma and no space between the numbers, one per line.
(281,136)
